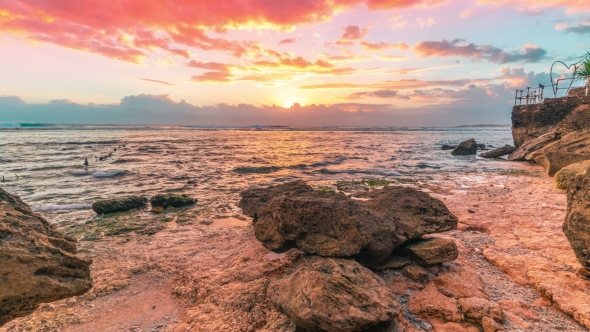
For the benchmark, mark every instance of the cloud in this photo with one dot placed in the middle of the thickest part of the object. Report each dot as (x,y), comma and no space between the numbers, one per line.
(156,81)
(456,47)
(382,94)
(209,65)
(580,29)
(11,100)
(536,6)
(354,32)
(425,23)
(287,41)
(213,77)
(383,46)
(403,84)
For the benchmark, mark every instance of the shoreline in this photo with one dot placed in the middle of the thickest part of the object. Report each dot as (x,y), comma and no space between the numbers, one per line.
(195,275)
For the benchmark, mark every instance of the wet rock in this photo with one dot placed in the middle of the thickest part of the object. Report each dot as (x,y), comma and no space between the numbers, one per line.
(118,205)
(554,161)
(334,225)
(332,295)
(475,308)
(563,176)
(503,151)
(577,221)
(37,263)
(414,272)
(166,200)
(465,148)
(481,146)
(431,251)
(448,147)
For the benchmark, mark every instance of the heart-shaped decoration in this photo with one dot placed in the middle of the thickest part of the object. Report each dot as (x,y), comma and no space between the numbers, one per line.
(554,85)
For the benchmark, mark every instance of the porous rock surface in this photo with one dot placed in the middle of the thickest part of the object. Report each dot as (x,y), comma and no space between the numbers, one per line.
(107,206)
(37,263)
(431,251)
(333,294)
(166,200)
(334,225)
(562,177)
(577,221)
(466,148)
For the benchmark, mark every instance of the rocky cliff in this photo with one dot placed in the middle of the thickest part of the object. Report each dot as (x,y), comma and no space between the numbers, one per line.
(37,263)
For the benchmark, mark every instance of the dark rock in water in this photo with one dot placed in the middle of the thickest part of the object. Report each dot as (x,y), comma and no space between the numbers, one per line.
(334,225)
(577,221)
(503,151)
(37,263)
(448,147)
(333,295)
(466,148)
(171,200)
(431,251)
(481,146)
(118,205)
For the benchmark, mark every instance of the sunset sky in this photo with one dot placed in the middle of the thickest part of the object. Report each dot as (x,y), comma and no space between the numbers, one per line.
(245,62)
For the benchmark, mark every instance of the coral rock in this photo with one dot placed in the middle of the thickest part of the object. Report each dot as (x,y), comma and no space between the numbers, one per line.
(37,263)
(118,205)
(333,295)
(173,200)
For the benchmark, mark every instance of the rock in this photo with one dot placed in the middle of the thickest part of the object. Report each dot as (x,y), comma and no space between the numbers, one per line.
(466,148)
(490,325)
(448,147)
(520,309)
(503,151)
(334,225)
(158,209)
(475,308)
(431,303)
(166,200)
(531,146)
(554,161)
(562,177)
(576,226)
(118,205)
(37,263)
(332,295)
(431,251)
(392,262)
(414,272)
(481,146)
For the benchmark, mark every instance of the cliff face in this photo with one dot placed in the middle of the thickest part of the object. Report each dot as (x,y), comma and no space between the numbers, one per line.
(37,263)
(532,121)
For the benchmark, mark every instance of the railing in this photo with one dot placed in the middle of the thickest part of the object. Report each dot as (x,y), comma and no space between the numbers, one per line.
(529,96)
(569,87)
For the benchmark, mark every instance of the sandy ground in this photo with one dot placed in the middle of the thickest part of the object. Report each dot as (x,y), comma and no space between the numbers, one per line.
(195,275)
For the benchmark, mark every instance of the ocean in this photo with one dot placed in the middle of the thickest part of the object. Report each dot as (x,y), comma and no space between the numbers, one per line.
(44,165)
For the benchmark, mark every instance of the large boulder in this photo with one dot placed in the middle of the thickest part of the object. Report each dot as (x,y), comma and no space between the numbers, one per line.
(466,148)
(562,177)
(499,152)
(107,206)
(37,263)
(333,295)
(334,225)
(166,200)
(577,221)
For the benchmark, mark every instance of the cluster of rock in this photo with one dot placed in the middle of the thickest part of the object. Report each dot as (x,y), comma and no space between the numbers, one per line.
(159,203)
(331,288)
(37,263)
(470,147)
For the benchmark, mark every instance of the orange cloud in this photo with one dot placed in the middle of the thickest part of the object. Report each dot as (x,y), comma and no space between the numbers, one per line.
(213,77)
(287,41)
(534,6)
(383,46)
(156,81)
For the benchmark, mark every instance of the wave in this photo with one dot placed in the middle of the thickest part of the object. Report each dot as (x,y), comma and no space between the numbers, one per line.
(47,168)
(122,161)
(107,174)
(80,173)
(328,162)
(61,207)
(359,171)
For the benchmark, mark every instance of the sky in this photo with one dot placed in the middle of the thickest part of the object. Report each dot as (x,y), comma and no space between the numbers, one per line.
(270,62)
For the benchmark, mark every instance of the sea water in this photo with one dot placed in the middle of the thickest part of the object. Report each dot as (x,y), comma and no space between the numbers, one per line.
(44,165)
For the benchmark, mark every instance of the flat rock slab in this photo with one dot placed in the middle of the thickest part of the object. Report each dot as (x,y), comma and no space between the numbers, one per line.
(37,263)
(503,151)
(432,251)
(334,225)
(333,295)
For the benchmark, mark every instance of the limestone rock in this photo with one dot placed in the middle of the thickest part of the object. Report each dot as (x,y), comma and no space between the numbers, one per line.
(554,161)
(118,205)
(431,303)
(334,225)
(531,146)
(414,272)
(332,295)
(577,221)
(431,251)
(505,150)
(166,200)
(562,177)
(37,263)
(490,325)
(465,148)
(475,308)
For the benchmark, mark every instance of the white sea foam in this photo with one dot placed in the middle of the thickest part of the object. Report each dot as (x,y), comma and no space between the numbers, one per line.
(80,173)
(61,207)
(107,174)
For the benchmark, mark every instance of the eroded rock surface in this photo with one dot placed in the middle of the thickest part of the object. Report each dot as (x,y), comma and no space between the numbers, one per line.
(499,152)
(166,200)
(37,263)
(333,295)
(562,177)
(334,225)
(107,206)
(431,251)
(466,148)
(577,221)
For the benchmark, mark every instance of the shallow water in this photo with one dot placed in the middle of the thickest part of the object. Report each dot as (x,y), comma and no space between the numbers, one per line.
(211,164)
